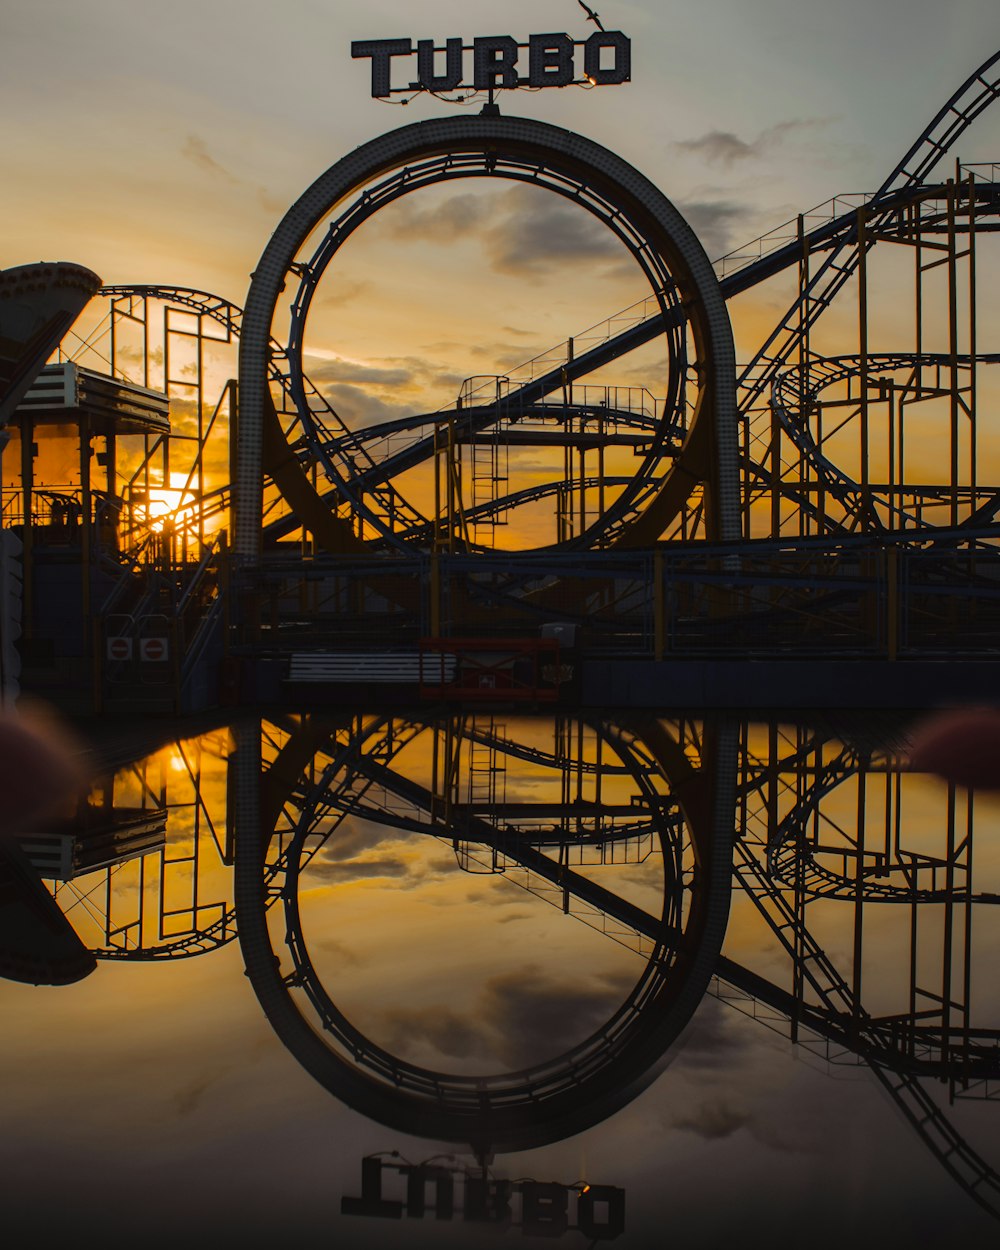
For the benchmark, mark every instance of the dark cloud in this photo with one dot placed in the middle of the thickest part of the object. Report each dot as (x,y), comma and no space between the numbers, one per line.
(447,380)
(273,203)
(344,291)
(508,356)
(536,235)
(724,1082)
(765,1119)
(523,232)
(344,953)
(352,837)
(712,1040)
(196,151)
(188,1099)
(339,370)
(363,393)
(452,218)
(443,347)
(718,146)
(440,866)
(363,849)
(535,1016)
(451,1034)
(359,407)
(511,916)
(713,222)
(723,147)
(518,1019)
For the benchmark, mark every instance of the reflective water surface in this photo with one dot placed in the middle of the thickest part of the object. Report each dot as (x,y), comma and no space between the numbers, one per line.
(420,980)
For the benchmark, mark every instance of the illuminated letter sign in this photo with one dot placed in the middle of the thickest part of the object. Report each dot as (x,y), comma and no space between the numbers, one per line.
(607,59)
(621,70)
(550,61)
(494,61)
(380,51)
(452,75)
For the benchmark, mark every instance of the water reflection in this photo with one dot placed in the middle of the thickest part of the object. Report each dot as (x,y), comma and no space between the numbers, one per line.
(145,868)
(545,814)
(492,932)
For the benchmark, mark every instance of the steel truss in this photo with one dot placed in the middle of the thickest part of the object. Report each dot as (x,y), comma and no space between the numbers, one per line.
(684,293)
(778,388)
(827,454)
(842,596)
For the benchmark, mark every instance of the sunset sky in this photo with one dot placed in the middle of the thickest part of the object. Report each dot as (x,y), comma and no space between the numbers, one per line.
(164,144)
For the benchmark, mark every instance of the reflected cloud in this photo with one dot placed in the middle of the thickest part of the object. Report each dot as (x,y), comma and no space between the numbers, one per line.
(711,1040)
(713,1119)
(362,869)
(517,1019)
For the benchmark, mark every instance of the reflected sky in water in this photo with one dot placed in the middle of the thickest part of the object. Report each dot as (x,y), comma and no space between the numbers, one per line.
(730,976)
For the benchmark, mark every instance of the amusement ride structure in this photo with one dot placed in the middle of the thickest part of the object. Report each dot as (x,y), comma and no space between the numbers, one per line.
(782,507)
(237,541)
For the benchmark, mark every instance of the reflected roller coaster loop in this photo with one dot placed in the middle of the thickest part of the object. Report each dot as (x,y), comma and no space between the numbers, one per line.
(549,1100)
(324,772)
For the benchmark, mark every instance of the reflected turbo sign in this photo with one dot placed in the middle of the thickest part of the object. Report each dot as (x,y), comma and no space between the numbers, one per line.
(391,1189)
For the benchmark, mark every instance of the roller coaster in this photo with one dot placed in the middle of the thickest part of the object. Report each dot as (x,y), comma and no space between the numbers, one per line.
(824,498)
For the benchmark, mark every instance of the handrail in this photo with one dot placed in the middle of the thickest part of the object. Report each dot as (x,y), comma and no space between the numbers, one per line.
(203,564)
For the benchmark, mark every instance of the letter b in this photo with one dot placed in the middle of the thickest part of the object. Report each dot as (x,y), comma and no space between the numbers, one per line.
(544,1208)
(550,60)
(494,60)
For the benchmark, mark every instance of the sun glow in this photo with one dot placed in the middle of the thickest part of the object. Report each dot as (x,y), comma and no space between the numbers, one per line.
(165,503)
